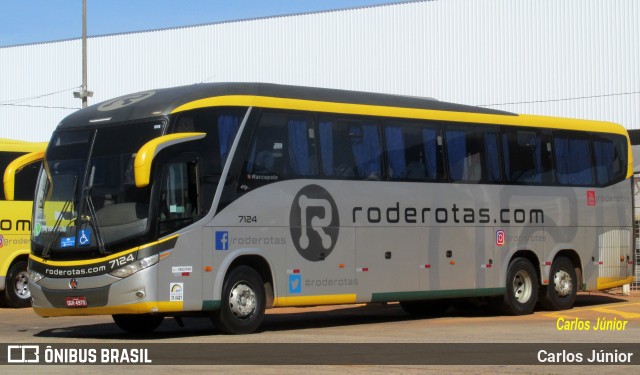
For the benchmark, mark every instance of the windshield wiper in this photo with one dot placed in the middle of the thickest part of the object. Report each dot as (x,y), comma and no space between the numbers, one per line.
(94,223)
(56,226)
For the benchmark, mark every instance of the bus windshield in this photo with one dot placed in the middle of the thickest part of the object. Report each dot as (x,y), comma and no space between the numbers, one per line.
(86,195)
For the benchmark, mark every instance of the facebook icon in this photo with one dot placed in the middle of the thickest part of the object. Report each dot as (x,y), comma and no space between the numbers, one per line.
(222,240)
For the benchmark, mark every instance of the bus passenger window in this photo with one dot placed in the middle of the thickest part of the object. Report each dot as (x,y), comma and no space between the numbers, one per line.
(464,154)
(573,159)
(228,124)
(414,151)
(283,146)
(473,153)
(221,126)
(350,149)
(527,156)
(336,151)
(492,156)
(610,153)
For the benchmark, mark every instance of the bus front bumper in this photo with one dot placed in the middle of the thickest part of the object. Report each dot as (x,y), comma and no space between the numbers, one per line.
(136,294)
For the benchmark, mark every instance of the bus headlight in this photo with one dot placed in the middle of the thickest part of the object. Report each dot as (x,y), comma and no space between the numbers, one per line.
(134,267)
(34,276)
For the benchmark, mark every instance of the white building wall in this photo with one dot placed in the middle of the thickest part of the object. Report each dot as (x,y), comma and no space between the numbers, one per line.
(570,58)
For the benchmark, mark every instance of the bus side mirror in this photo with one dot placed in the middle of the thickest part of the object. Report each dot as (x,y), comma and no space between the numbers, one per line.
(146,154)
(14,167)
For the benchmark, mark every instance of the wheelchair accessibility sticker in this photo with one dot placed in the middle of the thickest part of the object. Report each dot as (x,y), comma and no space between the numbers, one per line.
(84,237)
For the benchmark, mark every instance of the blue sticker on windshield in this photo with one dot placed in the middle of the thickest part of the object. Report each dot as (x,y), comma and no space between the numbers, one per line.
(84,237)
(67,241)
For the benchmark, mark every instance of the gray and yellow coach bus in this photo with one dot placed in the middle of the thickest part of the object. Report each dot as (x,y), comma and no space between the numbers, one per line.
(227,199)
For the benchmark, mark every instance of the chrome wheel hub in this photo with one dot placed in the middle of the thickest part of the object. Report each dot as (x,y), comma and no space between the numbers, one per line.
(522,286)
(242,300)
(563,283)
(21,285)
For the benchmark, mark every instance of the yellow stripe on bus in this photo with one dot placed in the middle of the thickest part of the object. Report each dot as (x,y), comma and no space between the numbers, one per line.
(412,113)
(12,145)
(331,299)
(134,308)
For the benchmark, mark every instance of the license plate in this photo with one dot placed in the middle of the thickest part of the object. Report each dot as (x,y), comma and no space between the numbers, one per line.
(76,301)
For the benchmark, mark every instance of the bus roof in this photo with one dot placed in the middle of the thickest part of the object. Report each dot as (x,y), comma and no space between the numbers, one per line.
(162,102)
(165,101)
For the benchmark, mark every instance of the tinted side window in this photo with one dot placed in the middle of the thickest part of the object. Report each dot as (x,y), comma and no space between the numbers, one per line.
(221,126)
(573,159)
(350,149)
(26,182)
(5,159)
(414,151)
(610,152)
(282,146)
(473,154)
(527,156)
(178,195)
(492,156)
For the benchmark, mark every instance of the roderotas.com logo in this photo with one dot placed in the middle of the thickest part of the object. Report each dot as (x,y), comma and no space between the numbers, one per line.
(314,223)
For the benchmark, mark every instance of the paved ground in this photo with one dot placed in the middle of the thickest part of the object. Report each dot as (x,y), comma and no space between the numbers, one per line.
(352,324)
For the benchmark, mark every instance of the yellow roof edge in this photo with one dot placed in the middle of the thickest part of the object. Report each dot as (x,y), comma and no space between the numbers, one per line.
(404,112)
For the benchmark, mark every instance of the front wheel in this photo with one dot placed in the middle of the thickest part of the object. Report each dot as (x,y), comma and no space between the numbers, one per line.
(138,323)
(522,288)
(16,293)
(243,302)
(563,286)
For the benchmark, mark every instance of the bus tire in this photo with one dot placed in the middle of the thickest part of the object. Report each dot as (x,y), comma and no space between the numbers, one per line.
(431,308)
(522,288)
(16,292)
(243,302)
(563,285)
(138,323)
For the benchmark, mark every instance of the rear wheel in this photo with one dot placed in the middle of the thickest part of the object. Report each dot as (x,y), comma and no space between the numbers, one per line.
(522,288)
(16,293)
(138,323)
(563,285)
(243,302)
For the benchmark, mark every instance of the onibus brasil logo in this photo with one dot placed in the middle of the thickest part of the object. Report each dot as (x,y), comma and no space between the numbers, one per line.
(314,223)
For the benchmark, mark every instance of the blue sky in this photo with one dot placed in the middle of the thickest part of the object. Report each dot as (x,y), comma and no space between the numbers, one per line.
(32,21)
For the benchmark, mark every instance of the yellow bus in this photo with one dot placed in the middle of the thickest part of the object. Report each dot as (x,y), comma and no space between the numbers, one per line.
(227,199)
(22,161)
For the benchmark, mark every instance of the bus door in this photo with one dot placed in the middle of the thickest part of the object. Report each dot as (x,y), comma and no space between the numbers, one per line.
(181,277)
